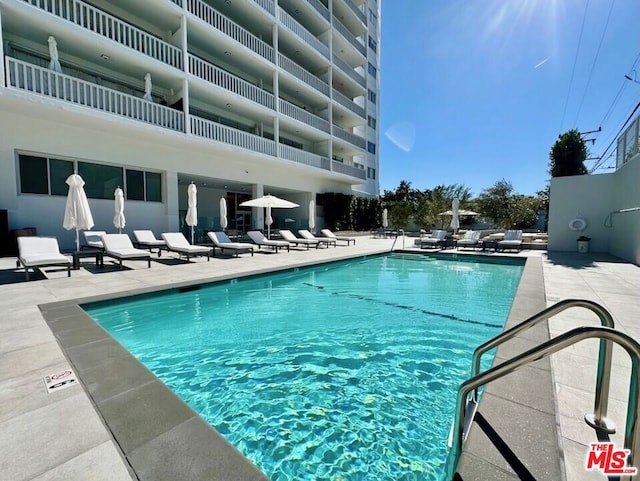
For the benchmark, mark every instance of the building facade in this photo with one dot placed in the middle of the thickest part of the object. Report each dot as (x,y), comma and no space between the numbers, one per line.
(241,97)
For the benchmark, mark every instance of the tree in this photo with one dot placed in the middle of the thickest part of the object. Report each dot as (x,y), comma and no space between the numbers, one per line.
(567,155)
(399,214)
(438,200)
(506,209)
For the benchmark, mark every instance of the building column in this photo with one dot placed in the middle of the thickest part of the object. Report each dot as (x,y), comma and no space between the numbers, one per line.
(257,213)
(172,204)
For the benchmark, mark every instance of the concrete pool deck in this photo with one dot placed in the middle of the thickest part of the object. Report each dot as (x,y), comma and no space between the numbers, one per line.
(61,435)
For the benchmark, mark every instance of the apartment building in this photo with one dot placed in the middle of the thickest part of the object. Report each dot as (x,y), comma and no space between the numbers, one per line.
(241,97)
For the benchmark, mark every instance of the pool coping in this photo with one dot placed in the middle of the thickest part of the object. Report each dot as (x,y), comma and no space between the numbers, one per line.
(161,437)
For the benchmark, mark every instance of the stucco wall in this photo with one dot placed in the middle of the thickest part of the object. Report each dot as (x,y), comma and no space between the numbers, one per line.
(625,226)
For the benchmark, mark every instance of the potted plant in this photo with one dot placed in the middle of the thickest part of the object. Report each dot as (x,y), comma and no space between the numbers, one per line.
(583,244)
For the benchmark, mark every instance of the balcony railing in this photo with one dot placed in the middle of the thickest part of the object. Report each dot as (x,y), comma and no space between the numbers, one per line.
(295,112)
(349,137)
(211,16)
(348,103)
(267,5)
(303,157)
(320,8)
(346,68)
(177,2)
(224,79)
(221,133)
(361,16)
(25,76)
(349,37)
(348,170)
(112,28)
(302,74)
(289,22)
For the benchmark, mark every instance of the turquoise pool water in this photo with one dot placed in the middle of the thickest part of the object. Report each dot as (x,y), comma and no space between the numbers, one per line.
(345,371)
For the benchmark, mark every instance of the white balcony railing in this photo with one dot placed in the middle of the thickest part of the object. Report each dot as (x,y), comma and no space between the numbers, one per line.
(289,22)
(347,69)
(218,21)
(39,80)
(224,79)
(361,16)
(348,103)
(295,112)
(267,5)
(221,133)
(349,137)
(303,157)
(349,37)
(348,170)
(178,2)
(320,8)
(99,22)
(302,74)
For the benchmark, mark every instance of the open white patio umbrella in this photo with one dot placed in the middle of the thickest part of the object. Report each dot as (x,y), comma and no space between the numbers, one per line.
(385,218)
(192,212)
(312,215)
(77,214)
(268,202)
(118,219)
(455,219)
(223,213)
(54,63)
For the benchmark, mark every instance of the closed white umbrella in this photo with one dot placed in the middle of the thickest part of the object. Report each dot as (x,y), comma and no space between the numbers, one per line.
(54,63)
(77,213)
(268,202)
(223,213)
(312,215)
(192,212)
(148,86)
(385,218)
(455,220)
(118,219)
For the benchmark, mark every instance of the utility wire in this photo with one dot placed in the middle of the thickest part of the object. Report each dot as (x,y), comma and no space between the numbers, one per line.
(615,138)
(575,61)
(622,87)
(593,65)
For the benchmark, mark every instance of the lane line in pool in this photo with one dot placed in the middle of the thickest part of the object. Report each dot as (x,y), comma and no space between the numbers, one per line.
(403,306)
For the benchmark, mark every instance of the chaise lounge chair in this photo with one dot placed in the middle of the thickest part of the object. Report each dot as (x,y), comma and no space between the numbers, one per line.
(119,247)
(222,242)
(145,239)
(260,240)
(512,240)
(471,239)
(331,235)
(177,242)
(322,240)
(93,239)
(38,252)
(289,237)
(436,239)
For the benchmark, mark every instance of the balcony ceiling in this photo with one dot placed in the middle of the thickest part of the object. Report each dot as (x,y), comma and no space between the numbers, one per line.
(164,15)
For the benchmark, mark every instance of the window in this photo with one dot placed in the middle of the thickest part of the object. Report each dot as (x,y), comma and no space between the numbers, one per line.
(372,70)
(33,175)
(59,171)
(373,45)
(135,185)
(337,159)
(358,166)
(371,173)
(373,21)
(371,121)
(100,180)
(154,186)
(371,147)
(291,143)
(372,96)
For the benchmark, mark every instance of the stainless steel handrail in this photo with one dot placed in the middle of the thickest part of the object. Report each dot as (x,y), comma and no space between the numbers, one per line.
(632,434)
(597,419)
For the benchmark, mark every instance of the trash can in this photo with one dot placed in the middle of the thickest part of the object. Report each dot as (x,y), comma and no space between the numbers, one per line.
(583,245)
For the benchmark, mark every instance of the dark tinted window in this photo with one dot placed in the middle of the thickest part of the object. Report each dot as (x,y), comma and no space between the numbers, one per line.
(154,186)
(33,175)
(101,181)
(60,170)
(135,184)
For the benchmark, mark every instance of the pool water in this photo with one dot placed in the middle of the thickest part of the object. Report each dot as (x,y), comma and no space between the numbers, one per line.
(345,371)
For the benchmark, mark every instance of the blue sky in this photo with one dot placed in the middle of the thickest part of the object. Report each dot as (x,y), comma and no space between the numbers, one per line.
(474,91)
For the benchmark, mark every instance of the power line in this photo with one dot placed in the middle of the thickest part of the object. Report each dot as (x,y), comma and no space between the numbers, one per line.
(575,61)
(598,164)
(622,87)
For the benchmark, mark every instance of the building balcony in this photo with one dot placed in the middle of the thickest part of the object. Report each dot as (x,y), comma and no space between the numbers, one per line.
(348,103)
(307,37)
(229,28)
(267,5)
(346,169)
(320,8)
(108,26)
(349,71)
(41,81)
(304,157)
(353,139)
(356,11)
(232,83)
(349,37)
(300,73)
(304,116)
(228,135)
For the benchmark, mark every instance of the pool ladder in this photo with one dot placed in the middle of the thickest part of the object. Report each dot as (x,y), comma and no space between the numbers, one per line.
(467,399)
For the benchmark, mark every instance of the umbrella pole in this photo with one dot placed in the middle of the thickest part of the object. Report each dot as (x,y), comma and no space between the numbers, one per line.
(191,235)
(77,240)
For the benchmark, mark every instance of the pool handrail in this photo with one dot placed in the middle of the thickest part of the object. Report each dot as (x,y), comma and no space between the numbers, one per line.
(597,419)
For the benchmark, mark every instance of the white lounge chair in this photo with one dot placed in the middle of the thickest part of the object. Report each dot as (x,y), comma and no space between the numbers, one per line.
(260,240)
(119,247)
(93,239)
(308,235)
(35,252)
(145,239)
(512,240)
(436,239)
(222,242)
(289,237)
(331,235)
(177,242)
(471,238)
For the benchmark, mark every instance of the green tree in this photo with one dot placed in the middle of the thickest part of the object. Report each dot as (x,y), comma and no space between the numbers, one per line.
(399,214)
(567,155)
(438,200)
(506,209)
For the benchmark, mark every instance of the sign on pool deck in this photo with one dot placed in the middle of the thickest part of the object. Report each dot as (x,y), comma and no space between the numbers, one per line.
(60,380)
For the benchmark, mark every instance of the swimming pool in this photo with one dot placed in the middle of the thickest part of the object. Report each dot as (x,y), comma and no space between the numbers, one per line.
(341,371)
